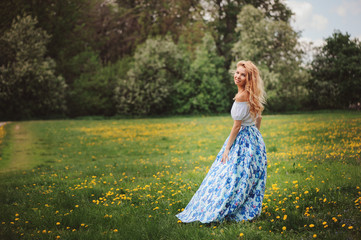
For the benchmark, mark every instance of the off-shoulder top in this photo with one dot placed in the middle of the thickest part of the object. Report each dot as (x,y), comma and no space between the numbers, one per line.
(240,111)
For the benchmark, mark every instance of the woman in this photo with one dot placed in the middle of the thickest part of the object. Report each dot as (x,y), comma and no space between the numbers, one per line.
(233,189)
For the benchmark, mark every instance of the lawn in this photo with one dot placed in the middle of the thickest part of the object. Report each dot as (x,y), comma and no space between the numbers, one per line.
(127,178)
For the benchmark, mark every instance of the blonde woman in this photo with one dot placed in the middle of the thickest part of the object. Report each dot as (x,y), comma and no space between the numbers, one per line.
(233,188)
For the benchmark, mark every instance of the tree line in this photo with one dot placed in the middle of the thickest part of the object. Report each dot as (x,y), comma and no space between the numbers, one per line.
(152,57)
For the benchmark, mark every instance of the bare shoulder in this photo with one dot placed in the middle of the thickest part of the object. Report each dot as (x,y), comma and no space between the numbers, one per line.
(243,97)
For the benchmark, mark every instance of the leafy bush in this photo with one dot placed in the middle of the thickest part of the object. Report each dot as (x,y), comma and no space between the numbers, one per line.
(155,75)
(92,92)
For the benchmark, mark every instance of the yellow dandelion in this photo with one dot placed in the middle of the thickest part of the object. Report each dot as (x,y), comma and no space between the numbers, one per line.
(284,228)
(241,234)
(115,230)
(311,225)
(314,236)
(58,223)
(350,227)
(284,217)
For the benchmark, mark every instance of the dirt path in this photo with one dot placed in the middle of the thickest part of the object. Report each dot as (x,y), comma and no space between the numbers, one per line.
(20,149)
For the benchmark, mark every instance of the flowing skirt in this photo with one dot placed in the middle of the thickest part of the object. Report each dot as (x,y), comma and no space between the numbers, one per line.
(234,190)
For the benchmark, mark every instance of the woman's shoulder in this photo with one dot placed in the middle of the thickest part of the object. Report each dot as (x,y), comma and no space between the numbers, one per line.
(243,97)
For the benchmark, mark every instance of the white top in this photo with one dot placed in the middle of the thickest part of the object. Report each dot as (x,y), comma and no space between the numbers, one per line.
(240,111)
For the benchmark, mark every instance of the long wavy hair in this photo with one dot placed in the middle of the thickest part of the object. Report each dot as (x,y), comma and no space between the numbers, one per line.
(255,88)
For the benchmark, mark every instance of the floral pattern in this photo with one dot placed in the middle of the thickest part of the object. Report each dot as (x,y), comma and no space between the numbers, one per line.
(234,190)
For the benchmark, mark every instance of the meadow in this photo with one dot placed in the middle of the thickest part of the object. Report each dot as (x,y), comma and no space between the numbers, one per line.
(127,178)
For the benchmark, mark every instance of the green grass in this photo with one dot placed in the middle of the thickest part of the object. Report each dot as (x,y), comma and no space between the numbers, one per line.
(127,178)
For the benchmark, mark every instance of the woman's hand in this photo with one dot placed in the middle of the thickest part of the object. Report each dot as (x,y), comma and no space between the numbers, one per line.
(225,157)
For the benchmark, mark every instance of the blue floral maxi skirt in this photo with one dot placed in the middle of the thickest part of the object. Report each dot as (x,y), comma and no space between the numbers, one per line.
(233,190)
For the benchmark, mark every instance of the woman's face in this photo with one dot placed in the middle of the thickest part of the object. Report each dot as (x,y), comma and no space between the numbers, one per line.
(240,76)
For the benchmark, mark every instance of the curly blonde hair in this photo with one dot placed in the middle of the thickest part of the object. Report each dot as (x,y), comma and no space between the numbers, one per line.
(255,88)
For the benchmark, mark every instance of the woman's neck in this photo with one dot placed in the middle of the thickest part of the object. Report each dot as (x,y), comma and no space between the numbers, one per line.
(241,89)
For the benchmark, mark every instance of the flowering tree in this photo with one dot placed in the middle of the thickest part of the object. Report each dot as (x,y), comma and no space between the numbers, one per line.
(28,84)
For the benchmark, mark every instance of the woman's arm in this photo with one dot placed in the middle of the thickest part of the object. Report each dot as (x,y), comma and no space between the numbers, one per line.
(232,137)
(258,122)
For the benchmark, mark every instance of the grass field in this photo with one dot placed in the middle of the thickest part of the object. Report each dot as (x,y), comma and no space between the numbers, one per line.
(126,179)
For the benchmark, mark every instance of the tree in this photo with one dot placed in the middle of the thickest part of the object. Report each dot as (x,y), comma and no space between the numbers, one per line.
(272,45)
(75,27)
(157,71)
(336,73)
(28,84)
(137,21)
(58,18)
(206,78)
(223,19)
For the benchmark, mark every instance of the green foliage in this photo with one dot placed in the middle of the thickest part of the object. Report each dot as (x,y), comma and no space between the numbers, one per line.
(272,45)
(92,92)
(28,84)
(85,95)
(157,71)
(144,19)
(336,73)
(182,73)
(63,20)
(160,80)
(223,20)
(206,78)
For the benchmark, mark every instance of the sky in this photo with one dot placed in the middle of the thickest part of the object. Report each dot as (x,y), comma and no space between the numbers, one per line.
(317,19)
